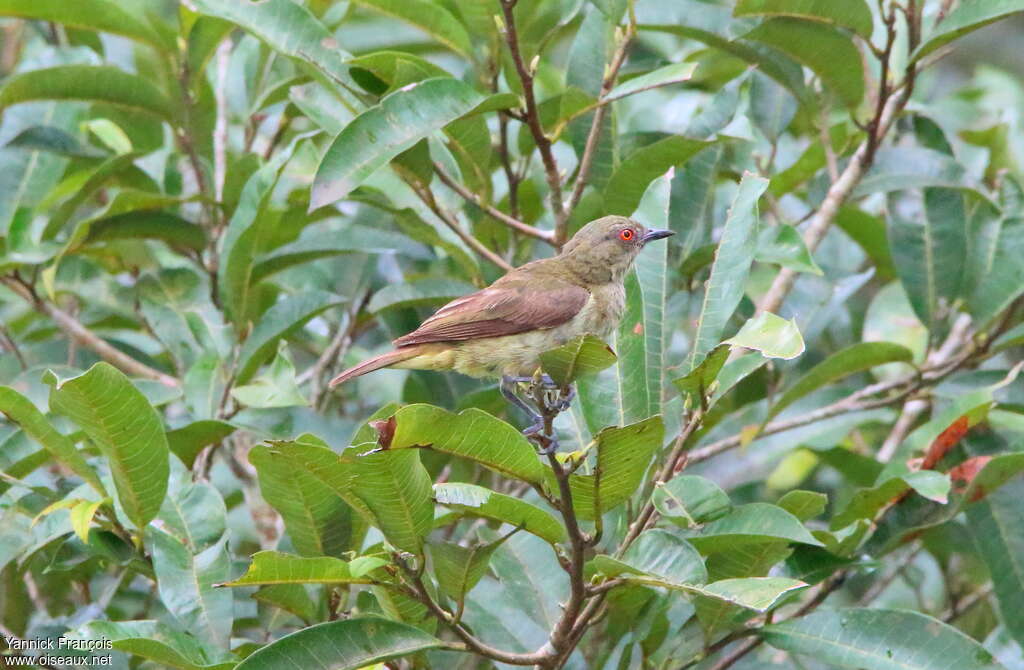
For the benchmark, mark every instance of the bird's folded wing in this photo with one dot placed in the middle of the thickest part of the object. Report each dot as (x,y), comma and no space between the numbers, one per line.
(514,307)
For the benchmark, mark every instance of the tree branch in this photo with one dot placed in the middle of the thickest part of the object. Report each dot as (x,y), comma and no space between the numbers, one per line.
(85,337)
(493,212)
(889,107)
(474,644)
(594,136)
(473,243)
(532,114)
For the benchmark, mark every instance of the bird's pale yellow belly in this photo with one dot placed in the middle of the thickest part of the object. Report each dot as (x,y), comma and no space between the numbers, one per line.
(519,354)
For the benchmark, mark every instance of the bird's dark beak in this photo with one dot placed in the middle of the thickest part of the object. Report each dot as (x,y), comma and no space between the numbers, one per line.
(652,235)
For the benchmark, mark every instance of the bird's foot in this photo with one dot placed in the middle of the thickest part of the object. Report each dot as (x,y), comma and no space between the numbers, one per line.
(546,443)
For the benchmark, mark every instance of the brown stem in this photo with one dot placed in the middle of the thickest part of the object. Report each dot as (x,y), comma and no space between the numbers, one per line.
(594,136)
(420,593)
(532,113)
(494,212)
(888,108)
(473,243)
(85,337)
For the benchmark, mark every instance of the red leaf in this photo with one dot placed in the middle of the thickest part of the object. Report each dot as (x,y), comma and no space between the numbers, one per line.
(945,441)
(385,431)
(967,471)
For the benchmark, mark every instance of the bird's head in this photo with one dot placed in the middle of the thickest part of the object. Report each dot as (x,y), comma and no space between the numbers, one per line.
(604,249)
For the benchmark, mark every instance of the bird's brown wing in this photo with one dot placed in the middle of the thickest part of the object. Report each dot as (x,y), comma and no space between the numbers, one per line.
(505,308)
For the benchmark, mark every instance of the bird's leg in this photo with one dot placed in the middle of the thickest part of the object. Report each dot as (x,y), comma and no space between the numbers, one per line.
(508,388)
(563,399)
(536,431)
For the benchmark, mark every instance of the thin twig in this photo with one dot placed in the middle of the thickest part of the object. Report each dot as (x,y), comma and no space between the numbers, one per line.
(220,127)
(593,137)
(447,219)
(890,104)
(474,644)
(532,113)
(492,211)
(10,344)
(85,337)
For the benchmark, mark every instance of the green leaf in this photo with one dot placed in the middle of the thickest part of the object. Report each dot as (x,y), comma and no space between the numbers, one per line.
(804,505)
(431,17)
(186,584)
(276,388)
(878,640)
(929,255)
(396,488)
(751,523)
(428,291)
(479,501)
(909,168)
(98,178)
(997,526)
(318,520)
(852,14)
(170,228)
(786,248)
(658,558)
(772,335)
(855,358)
(642,335)
(20,410)
(676,73)
(244,237)
(623,455)
(128,431)
(828,52)
(690,500)
(869,232)
(382,132)
(286,27)
(326,244)
(629,182)
(458,569)
(997,261)
(633,389)
(101,15)
(866,503)
(772,107)
(965,19)
(157,642)
(186,442)
(193,511)
(472,434)
(729,271)
(91,83)
(700,382)
(773,64)
(341,645)
(581,357)
(754,593)
(274,567)
(916,512)
(278,322)
(659,554)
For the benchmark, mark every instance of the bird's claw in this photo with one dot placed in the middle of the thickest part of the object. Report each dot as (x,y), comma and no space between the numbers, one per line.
(546,443)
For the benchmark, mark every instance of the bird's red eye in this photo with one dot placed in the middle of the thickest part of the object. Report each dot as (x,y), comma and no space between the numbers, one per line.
(626,235)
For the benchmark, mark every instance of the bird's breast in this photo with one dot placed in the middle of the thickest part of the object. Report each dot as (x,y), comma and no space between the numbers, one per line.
(601,314)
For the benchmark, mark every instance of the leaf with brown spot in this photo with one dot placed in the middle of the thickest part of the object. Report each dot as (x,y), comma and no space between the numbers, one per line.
(946,440)
(385,431)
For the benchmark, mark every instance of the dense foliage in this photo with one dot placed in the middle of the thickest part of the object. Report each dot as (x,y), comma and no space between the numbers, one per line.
(804,451)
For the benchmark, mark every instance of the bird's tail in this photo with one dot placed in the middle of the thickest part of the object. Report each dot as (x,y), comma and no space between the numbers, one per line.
(376,363)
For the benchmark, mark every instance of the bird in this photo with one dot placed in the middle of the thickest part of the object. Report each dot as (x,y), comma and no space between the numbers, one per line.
(501,331)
